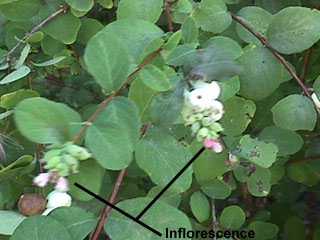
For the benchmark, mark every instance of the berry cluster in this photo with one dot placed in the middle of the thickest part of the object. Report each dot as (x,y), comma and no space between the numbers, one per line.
(60,162)
(202,111)
(65,159)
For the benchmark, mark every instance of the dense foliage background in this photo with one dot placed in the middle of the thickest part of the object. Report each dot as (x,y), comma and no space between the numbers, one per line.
(109,75)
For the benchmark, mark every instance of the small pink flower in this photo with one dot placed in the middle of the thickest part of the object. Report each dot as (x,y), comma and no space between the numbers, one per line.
(214,145)
(42,179)
(62,185)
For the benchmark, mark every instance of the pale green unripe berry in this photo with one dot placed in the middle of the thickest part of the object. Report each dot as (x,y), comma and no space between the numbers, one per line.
(216,127)
(71,162)
(206,121)
(195,127)
(63,169)
(78,152)
(51,154)
(213,135)
(52,162)
(203,133)
(198,116)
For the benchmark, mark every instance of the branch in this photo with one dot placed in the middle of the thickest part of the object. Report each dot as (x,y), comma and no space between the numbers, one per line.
(168,4)
(62,10)
(280,58)
(304,160)
(105,103)
(306,64)
(107,210)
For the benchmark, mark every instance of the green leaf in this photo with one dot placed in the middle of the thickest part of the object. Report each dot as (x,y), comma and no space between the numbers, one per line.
(288,142)
(230,46)
(306,173)
(51,46)
(238,115)
(23,56)
(108,65)
(209,164)
(295,229)
(259,182)
(77,221)
(7,1)
(229,88)
(180,55)
(190,31)
(106,3)
(173,40)
(44,121)
(258,152)
(142,96)
(162,157)
(10,100)
(136,9)
(264,78)
(21,10)
(166,107)
(41,228)
(81,5)
(21,72)
(136,35)
(258,19)
(113,136)
(212,16)
(90,175)
(200,206)
(9,221)
(170,197)
(50,62)
(264,230)
(64,28)
(316,86)
(160,216)
(216,189)
(295,112)
(294,29)
(23,165)
(232,217)
(155,78)
(89,27)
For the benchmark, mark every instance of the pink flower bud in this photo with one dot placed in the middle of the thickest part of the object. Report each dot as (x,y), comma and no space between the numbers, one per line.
(42,179)
(62,185)
(214,145)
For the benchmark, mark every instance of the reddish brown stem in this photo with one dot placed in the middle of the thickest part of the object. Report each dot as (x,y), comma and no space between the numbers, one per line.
(62,10)
(107,210)
(304,160)
(168,5)
(277,55)
(105,103)
(306,64)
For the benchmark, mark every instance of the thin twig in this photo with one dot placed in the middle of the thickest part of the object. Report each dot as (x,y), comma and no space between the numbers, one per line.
(62,10)
(304,160)
(280,58)
(215,224)
(107,210)
(306,64)
(168,5)
(104,103)
(105,213)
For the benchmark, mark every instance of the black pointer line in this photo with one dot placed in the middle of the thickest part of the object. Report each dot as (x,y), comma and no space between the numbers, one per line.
(170,183)
(136,219)
(118,209)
